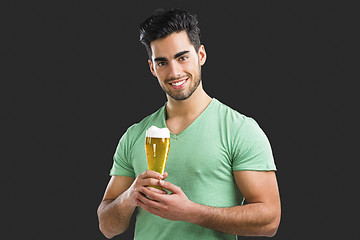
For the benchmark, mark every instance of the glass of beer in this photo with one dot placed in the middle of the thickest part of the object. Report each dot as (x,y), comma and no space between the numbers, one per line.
(157,145)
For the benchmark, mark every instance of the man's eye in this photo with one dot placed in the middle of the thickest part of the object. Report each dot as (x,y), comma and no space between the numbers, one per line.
(183,58)
(160,64)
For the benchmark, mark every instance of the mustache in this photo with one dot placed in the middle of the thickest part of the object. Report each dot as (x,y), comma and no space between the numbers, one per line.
(178,78)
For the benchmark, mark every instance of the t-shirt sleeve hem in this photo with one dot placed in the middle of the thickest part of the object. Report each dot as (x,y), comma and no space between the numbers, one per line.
(121,173)
(262,169)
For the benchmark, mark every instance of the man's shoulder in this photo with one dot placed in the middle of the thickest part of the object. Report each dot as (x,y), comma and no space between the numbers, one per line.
(231,115)
(244,129)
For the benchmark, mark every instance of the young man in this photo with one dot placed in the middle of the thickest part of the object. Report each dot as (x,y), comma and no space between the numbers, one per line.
(218,157)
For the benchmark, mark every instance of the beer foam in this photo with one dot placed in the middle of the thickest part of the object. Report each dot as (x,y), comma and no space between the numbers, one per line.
(156,132)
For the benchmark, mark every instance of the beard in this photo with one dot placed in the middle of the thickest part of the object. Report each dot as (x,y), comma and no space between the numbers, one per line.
(183,95)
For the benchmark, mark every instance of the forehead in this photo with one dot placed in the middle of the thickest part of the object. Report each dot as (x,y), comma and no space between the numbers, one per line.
(172,44)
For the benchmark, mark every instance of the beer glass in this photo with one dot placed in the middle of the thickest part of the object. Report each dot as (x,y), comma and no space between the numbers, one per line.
(157,145)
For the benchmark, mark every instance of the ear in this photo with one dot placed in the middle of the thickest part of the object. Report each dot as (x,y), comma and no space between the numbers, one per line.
(202,55)
(152,68)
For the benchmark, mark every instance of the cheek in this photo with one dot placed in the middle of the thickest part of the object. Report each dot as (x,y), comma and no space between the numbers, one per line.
(161,76)
(194,69)
(161,72)
(194,65)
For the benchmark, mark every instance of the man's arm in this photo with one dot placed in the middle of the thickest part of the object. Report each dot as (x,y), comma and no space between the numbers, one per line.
(259,217)
(115,209)
(119,201)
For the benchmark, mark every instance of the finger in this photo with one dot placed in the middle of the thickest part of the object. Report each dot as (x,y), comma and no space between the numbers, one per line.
(151,174)
(141,204)
(159,197)
(149,202)
(146,207)
(165,175)
(156,190)
(150,182)
(169,186)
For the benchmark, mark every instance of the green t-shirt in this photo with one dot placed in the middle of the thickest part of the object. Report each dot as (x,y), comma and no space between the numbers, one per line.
(201,162)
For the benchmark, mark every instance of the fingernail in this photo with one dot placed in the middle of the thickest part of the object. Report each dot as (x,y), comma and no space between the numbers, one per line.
(161,182)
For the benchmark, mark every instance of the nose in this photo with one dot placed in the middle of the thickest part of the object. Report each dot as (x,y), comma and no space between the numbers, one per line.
(175,69)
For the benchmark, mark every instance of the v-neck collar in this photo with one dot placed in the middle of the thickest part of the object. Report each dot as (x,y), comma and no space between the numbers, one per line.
(192,125)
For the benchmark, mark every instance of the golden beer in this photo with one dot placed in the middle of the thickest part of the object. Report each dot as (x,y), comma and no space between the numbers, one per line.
(157,150)
(157,145)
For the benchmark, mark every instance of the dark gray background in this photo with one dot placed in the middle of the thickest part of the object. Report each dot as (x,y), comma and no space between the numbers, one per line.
(74,77)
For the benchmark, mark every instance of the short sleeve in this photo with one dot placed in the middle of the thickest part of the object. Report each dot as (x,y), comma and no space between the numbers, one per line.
(252,150)
(122,165)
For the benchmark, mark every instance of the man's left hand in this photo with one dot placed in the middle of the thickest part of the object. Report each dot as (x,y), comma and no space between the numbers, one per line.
(175,206)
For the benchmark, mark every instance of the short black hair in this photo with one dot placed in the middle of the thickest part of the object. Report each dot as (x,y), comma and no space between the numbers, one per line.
(163,23)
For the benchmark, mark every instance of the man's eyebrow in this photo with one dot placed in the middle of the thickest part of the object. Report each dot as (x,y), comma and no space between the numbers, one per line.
(160,59)
(180,53)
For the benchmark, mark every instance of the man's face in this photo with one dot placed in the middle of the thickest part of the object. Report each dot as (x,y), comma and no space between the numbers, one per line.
(177,65)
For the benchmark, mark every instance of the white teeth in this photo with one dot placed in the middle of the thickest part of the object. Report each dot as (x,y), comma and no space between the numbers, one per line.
(178,83)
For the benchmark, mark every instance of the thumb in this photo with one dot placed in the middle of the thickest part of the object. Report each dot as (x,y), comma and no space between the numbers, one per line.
(169,186)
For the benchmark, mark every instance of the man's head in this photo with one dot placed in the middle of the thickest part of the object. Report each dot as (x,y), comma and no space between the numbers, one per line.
(163,23)
(172,40)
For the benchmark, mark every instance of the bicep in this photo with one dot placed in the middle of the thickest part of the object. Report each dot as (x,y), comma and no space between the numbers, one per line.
(258,186)
(116,186)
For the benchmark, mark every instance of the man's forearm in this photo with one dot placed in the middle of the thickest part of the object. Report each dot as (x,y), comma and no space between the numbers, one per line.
(114,215)
(253,219)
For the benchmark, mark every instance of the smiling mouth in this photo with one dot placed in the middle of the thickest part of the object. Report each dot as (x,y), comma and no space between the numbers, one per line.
(178,83)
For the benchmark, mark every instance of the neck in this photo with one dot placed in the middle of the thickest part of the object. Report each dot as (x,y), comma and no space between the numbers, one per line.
(194,105)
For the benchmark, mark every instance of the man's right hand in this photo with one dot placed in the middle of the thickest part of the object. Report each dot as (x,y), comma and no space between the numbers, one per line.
(145,179)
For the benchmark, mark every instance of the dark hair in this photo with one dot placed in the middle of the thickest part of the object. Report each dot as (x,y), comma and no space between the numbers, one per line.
(163,23)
